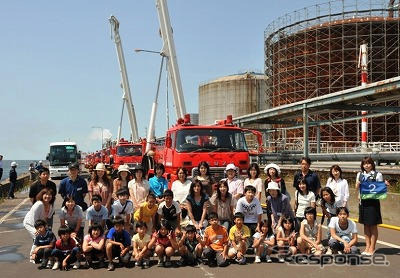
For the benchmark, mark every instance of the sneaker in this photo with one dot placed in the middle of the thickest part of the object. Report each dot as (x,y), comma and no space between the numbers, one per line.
(77,265)
(268,259)
(160,263)
(43,265)
(50,264)
(32,261)
(168,263)
(257,260)
(138,263)
(146,264)
(241,261)
(329,251)
(56,266)
(281,259)
(110,267)
(181,262)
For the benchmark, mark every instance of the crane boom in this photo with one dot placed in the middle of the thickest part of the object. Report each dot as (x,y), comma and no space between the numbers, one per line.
(169,51)
(124,76)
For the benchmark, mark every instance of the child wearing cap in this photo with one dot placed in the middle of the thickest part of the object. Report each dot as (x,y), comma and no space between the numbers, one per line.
(235,184)
(278,205)
(239,235)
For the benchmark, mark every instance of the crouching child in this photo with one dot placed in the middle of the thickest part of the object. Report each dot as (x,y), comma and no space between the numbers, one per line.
(264,242)
(118,244)
(216,242)
(44,244)
(141,253)
(93,246)
(190,247)
(238,238)
(66,250)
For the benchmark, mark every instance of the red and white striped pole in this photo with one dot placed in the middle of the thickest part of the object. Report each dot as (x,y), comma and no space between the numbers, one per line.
(363,64)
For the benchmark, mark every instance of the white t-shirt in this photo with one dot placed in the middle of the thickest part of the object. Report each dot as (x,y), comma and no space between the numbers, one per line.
(96,216)
(340,188)
(117,208)
(181,190)
(72,219)
(250,210)
(351,228)
(303,201)
(257,235)
(257,183)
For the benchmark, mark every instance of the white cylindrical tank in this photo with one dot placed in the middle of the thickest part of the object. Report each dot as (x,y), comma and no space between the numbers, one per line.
(234,95)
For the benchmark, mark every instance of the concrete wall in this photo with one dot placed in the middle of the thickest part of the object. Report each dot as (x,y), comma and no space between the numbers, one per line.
(22,181)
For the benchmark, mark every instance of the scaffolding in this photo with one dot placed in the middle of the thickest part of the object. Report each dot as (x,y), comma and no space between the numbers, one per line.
(314,51)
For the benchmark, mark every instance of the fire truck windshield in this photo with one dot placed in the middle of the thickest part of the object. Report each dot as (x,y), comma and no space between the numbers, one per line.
(210,140)
(129,151)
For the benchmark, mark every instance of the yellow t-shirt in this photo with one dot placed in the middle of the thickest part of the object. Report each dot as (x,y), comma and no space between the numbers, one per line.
(147,213)
(244,231)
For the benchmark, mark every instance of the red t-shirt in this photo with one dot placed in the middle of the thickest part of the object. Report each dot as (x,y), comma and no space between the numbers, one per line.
(163,240)
(71,244)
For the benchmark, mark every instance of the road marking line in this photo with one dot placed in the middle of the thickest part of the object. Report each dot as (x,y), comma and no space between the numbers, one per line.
(378,241)
(4,218)
(10,219)
(9,231)
(206,273)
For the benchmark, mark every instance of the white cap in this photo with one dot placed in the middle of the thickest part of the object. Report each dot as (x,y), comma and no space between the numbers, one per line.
(273,185)
(230,166)
(272,165)
(123,168)
(14,164)
(100,167)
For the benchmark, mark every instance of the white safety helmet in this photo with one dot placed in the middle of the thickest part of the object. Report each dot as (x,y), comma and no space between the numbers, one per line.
(40,162)
(14,164)
(272,165)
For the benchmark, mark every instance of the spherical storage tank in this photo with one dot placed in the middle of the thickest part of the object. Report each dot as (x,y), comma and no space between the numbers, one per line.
(234,95)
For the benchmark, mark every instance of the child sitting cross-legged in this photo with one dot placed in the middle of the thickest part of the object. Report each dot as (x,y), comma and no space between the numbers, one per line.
(141,253)
(190,246)
(238,239)
(164,242)
(44,244)
(93,245)
(118,243)
(215,242)
(264,241)
(66,250)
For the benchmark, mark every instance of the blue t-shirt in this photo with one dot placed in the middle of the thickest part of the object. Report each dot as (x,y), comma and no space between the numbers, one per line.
(158,185)
(122,237)
(76,189)
(97,216)
(46,239)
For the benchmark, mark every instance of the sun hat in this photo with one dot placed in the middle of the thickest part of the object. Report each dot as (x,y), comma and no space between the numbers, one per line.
(123,168)
(273,186)
(100,167)
(272,165)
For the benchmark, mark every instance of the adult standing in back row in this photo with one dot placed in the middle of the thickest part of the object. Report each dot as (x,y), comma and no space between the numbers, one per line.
(311,178)
(74,186)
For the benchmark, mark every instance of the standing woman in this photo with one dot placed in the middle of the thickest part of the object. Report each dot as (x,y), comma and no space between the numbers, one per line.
(253,179)
(204,176)
(339,186)
(138,187)
(42,209)
(122,180)
(197,205)
(181,188)
(223,204)
(369,210)
(273,172)
(101,185)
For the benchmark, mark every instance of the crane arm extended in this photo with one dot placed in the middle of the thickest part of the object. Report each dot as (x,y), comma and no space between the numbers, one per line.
(169,51)
(124,76)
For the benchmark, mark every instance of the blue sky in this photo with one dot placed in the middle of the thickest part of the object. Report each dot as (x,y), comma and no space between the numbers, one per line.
(59,73)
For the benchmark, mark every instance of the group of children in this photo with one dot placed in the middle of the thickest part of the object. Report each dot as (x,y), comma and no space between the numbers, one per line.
(207,237)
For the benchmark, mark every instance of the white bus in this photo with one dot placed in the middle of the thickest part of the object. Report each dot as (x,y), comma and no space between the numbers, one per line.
(60,156)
